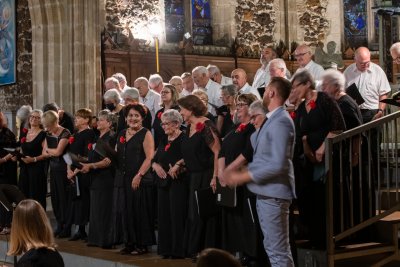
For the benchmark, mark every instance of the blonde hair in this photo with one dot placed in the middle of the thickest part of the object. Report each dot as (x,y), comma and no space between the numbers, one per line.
(49,118)
(30,228)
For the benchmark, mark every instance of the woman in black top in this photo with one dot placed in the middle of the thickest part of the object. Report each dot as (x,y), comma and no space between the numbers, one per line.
(101,174)
(31,235)
(169,98)
(200,148)
(172,187)
(133,210)
(238,232)
(54,147)
(226,112)
(79,144)
(32,177)
(316,118)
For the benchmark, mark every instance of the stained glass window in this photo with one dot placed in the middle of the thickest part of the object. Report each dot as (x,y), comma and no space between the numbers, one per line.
(174,20)
(355,22)
(201,22)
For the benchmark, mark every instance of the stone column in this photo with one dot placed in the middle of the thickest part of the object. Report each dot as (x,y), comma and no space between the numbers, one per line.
(66,52)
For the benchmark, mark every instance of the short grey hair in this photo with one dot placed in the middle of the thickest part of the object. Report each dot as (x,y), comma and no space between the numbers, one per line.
(36,110)
(108,115)
(119,76)
(200,70)
(113,80)
(334,77)
(395,48)
(175,78)
(23,112)
(155,78)
(230,89)
(131,93)
(213,69)
(172,115)
(279,63)
(112,94)
(257,107)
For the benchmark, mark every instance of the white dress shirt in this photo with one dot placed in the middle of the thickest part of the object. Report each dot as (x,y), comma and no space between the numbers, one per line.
(247,89)
(371,83)
(261,78)
(226,80)
(314,69)
(213,91)
(152,100)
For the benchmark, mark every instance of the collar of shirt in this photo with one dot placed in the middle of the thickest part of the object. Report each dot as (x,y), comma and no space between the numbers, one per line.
(369,70)
(269,114)
(208,85)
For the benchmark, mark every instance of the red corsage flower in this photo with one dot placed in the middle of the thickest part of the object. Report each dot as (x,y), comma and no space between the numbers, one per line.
(241,128)
(24,130)
(122,140)
(159,114)
(200,126)
(312,104)
(90,146)
(23,140)
(71,140)
(292,114)
(167,147)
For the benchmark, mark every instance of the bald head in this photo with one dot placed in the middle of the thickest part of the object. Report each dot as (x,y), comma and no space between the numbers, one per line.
(362,58)
(239,77)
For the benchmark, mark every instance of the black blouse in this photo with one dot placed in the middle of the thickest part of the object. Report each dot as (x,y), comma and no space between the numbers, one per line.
(41,257)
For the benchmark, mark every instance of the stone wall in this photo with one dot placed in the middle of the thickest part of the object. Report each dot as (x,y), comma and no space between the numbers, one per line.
(255,23)
(15,95)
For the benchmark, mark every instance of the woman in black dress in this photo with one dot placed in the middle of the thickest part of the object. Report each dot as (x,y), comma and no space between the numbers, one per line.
(133,208)
(200,148)
(226,112)
(54,147)
(172,188)
(32,176)
(31,235)
(238,232)
(169,98)
(101,175)
(316,118)
(79,144)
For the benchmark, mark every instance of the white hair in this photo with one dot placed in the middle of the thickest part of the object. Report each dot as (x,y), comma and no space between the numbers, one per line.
(112,94)
(334,77)
(213,69)
(279,63)
(24,111)
(119,76)
(200,70)
(395,48)
(155,79)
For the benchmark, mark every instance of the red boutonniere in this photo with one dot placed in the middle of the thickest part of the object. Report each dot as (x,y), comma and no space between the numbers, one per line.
(167,147)
(200,126)
(159,114)
(292,114)
(312,104)
(241,128)
(90,146)
(122,140)
(23,140)
(24,130)
(71,140)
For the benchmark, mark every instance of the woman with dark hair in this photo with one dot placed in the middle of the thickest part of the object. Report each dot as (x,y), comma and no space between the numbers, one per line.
(133,185)
(316,118)
(169,98)
(32,176)
(172,187)
(200,148)
(54,147)
(31,235)
(101,175)
(226,112)
(79,144)
(238,231)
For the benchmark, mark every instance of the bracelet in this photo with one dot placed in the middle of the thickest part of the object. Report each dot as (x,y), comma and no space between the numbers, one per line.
(35,159)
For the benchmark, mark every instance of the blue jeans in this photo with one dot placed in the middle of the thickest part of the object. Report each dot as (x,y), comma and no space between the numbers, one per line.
(273,214)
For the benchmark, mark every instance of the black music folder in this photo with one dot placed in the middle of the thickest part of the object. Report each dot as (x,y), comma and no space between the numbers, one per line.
(104,150)
(354,93)
(205,201)
(226,196)
(393,100)
(261,91)
(52,141)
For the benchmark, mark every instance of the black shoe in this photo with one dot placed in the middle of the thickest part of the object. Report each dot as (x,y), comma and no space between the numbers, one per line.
(78,236)
(106,247)
(126,251)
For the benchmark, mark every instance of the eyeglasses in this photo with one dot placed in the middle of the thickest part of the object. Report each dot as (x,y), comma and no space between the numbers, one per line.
(396,60)
(165,92)
(364,63)
(241,104)
(166,123)
(300,55)
(254,117)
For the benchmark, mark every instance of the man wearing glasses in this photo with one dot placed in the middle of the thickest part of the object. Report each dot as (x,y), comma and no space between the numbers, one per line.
(303,57)
(395,52)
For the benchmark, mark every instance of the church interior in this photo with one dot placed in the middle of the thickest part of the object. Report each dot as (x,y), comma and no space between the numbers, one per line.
(62,51)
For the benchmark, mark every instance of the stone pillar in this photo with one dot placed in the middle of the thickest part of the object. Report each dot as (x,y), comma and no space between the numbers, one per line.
(66,52)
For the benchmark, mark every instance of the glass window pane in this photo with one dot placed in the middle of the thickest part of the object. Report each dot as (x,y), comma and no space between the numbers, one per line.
(201,22)
(174,20)
(355,22)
